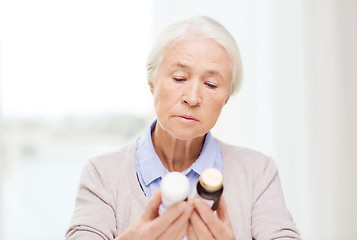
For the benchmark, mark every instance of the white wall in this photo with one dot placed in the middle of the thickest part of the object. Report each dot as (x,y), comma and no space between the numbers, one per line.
(330,71)
(298,101)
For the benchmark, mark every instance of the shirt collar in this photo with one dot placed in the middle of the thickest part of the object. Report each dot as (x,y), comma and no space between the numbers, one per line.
(150,165)
(209,156)
(152,168)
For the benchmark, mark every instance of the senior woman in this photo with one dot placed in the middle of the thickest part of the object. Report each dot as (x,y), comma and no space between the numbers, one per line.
(193,70)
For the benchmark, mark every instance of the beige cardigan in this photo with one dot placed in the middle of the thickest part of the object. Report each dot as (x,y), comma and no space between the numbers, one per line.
(110,198)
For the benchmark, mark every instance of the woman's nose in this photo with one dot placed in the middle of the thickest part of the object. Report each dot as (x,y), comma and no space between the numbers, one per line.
(192,95)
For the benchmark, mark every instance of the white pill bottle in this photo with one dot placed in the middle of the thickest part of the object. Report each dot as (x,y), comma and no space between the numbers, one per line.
(174,188)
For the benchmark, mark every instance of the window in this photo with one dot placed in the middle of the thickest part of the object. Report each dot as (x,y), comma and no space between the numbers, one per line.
(73,86)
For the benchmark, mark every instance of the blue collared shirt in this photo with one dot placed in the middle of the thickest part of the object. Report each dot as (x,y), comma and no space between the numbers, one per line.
(150,169)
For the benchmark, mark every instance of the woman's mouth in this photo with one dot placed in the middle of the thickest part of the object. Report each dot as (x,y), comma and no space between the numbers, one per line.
(188,118)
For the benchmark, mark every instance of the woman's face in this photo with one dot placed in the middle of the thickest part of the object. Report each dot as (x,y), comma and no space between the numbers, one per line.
(191,87)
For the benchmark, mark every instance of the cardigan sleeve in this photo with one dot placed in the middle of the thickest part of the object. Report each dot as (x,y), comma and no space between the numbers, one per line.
(270,218)
(94,216)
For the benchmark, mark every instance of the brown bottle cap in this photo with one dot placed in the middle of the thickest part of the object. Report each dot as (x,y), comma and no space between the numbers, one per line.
(211,179)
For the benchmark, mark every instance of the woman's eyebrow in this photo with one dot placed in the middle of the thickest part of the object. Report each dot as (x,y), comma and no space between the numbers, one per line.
(214,73)
(179,66)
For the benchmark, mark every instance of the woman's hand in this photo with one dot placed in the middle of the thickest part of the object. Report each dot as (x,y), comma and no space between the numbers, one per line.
(205,224)
(151,225)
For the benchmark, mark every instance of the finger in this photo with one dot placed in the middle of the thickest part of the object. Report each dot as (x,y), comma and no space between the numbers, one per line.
(189,210)
(199,227)
(222,211)
(191,235)
(183,232)
(178,228)
(213,223)
(152,209)
(160,224)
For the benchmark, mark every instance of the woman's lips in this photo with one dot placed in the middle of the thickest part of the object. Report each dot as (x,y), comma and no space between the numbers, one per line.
(188,118)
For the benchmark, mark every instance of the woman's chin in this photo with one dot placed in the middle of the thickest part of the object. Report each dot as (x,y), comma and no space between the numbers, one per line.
(187,135)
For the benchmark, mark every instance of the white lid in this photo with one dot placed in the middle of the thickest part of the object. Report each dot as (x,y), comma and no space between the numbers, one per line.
(174,188)
(211,179)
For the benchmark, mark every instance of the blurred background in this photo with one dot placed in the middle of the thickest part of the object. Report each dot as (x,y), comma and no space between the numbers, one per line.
(73,86)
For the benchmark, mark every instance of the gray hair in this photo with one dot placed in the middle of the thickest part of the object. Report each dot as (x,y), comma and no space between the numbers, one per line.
(205,27)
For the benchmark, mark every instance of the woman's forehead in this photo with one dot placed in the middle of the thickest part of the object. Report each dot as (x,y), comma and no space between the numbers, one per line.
(193,51)
(197,43)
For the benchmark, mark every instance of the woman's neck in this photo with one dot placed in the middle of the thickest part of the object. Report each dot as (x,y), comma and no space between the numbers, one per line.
(175,154)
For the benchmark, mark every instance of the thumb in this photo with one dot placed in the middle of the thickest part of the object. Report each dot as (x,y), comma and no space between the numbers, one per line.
(152,209)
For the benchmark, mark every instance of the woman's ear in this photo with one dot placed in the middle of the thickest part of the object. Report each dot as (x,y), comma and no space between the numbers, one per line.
(151,85)
(227,100)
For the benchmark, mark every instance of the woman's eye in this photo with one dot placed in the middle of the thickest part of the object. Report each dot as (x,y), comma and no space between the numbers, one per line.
(179,79)
(210,85)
